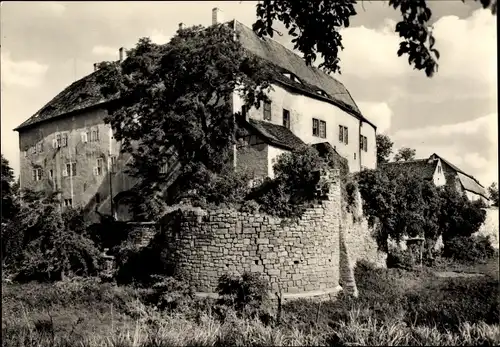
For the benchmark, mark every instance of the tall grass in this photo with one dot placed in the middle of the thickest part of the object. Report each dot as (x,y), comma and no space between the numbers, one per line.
(394,308)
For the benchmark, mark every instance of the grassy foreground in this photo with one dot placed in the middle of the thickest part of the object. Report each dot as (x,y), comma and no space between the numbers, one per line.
(394,308)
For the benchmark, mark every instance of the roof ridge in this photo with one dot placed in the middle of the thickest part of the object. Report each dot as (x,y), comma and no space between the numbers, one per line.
(311,66)
(453,166)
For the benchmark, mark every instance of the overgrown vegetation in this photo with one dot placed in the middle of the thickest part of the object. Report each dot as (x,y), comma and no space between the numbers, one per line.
(46,243)
(404,205)
(394,307)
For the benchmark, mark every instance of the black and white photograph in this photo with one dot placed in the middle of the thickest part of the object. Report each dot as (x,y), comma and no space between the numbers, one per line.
(249,173)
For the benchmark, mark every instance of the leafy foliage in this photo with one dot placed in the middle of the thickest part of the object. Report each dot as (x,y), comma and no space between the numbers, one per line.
(405,154)
(295,184)
(384,148)
(469,249)
(247,294)
(51,243)
(9,203)
(459,216)
(173,102)
(493,193)
(315,29)
(403,204)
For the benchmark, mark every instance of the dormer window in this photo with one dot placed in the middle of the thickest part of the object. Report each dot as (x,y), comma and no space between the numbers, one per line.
(322,93)
(292,77)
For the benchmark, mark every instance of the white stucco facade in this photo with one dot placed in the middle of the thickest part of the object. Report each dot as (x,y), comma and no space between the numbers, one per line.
(303,109)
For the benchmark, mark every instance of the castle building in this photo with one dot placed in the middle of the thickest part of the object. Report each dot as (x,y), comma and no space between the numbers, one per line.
(66,145)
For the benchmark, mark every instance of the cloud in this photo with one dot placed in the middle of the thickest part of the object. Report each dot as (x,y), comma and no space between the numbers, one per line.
(25,73)
(378,112)
(104,50)
(467,49)
(159,37)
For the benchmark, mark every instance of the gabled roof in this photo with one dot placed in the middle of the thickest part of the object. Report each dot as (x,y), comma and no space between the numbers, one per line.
(79,95)
(469,183)
(274,134)
(313,80)
(315,83)
(422,167)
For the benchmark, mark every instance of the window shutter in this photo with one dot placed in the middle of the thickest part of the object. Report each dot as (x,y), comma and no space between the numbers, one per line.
(34,174)
(64,140)
(346,131)
(95,170)
(54,143)
(65,173)
(84,137)
(341,133)
(97,134)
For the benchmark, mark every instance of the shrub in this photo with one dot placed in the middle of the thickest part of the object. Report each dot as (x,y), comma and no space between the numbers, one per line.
(459,216)
(246,294)
(399,258)
(170,293)
(54,243)
(469,249)
(295,185)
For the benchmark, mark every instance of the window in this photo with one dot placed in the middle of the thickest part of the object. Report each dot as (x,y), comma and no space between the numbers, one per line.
(319,128)
(267,110)
(68,202)
(51,174)
(71,169)
(37,174)
(94,135)
(322,129)
(363,143)
(244,111)
(112,162)
(97,198)
(39,147)
(315,127)
(58,140)
(164,168)
(64,141)
(99,166)
(286,119)
(343,134)
(439,169)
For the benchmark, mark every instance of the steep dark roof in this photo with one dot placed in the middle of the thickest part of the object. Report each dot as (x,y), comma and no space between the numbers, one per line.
(469,182)
(85,92)
(79,95)
(422,167)
(313,79)
(275,135)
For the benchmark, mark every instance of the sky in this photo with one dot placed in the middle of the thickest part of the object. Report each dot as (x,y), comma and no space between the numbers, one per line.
(45,46)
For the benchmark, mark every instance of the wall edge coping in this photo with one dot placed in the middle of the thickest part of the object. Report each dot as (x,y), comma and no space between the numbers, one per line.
(308,294)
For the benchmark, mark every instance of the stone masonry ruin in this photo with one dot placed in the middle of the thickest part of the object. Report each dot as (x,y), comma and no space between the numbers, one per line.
(305,258)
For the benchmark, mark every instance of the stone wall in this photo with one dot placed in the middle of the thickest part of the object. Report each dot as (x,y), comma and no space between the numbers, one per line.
(299,258)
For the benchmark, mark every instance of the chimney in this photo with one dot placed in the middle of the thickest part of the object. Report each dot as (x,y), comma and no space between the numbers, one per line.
(181,26)
(217,16)
(120,52)
(95,66)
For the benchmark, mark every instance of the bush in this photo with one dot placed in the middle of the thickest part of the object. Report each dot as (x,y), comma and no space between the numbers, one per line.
(53,244)
(170,293)
(399,258)
(295,185)
(469,249)
(246,294)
